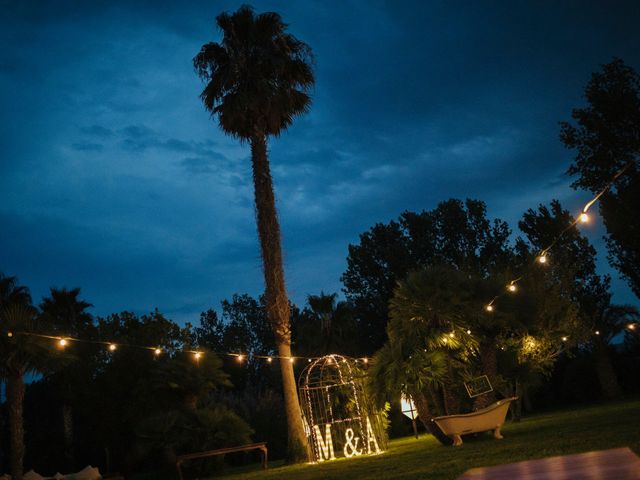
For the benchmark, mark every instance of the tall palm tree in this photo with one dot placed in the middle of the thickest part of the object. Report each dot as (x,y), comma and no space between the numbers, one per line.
(257,81)
(19,354)
(67,313)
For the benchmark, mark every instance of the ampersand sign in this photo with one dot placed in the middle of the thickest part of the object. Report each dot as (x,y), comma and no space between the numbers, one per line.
(351,449)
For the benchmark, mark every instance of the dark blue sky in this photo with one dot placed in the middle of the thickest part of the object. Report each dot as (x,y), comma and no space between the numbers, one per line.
(113,177)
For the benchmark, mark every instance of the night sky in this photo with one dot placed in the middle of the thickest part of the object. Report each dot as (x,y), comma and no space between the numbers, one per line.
(114,178)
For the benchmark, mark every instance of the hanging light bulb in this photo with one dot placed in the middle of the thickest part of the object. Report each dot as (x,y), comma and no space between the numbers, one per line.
(564,339)
(468,332)
(308,360)
(62,342)
(584,218)
(512,287)
(452,334)
(269,359)
(631,326)
(542,258)
(197,355)
(157,351)
(597,332)
(291,359)
(240,358)
(9,334)
(112,347)
(365,360)
(489,308)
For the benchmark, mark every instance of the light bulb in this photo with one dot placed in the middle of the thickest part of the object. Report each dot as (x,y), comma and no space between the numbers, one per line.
(112,347)
(62,342)
(197,355)
(365,360)
(291,359)
(240,358)
(597,332)
(489,308)
(157,351)
(512,287)
(452,334)
(584,218)
(631,326)
(564,339)
(468,332)
(542,258)
(9,334)
(269,359)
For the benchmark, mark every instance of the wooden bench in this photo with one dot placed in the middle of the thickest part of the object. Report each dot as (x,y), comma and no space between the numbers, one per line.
(222,451)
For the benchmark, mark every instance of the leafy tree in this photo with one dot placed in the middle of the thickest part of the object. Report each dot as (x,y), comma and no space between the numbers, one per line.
(606,137)
(326,326)
(455,233)
(258,78)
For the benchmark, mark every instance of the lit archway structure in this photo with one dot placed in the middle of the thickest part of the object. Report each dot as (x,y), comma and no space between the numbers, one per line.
(340,420)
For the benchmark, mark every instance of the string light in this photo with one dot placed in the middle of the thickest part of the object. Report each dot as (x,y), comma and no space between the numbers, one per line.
(157,351)
(240,358)
(489,308)
(9,334)
(112,347)
(197,355)
(468,332)
(62,343)
(291,359)
(365,360)
(512,287)
(584,218)
(631,326)
(564,339)
(269,359)
(542,258)
(308,360)
(597,332)
(452,334)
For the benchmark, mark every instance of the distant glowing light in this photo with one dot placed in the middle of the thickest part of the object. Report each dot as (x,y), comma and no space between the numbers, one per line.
(542,258)
(365,360)
(240,358)
(564,339)
(597,332)
(62,342)
(9,334)
(584,218)
(157,351)
(452,335)
(489,308)
(631,326)
(512,287)
(468,332)
(308,360)
(291,359)
(197,355)
(269,359)
(112,347)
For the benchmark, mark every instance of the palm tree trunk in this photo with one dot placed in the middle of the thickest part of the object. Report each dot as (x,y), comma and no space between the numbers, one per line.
(15,401)
(67,428)
(489,361)
(425,416)
(606,374)
(277,302)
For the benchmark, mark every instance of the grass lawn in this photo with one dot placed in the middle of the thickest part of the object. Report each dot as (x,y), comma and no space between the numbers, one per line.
(558,433)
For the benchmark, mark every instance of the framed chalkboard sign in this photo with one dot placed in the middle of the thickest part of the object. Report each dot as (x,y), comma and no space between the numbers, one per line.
(478,386)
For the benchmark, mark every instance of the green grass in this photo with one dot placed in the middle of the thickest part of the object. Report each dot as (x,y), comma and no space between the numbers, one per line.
(558,433)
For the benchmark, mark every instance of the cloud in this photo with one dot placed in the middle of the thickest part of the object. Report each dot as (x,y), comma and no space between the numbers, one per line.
(88,147)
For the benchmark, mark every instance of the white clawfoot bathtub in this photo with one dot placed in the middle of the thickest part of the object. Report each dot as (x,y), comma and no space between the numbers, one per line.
(489,418)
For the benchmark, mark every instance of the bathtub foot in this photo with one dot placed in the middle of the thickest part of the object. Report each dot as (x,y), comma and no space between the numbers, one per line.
(496,434)
(457,440)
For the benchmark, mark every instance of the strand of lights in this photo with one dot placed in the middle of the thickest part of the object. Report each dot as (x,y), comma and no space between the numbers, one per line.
(64,341)
(542,257)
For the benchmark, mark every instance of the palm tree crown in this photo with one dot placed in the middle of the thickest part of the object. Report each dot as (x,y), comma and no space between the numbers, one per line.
(258,76)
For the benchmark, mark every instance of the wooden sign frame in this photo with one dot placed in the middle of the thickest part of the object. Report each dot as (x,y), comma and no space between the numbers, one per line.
(478,386)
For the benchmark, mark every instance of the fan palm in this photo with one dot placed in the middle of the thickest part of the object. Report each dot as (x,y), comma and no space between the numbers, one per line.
(257,81)
(19,354)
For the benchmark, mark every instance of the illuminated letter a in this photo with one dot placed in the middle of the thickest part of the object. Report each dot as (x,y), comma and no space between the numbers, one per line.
(325,450)
(371,438)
